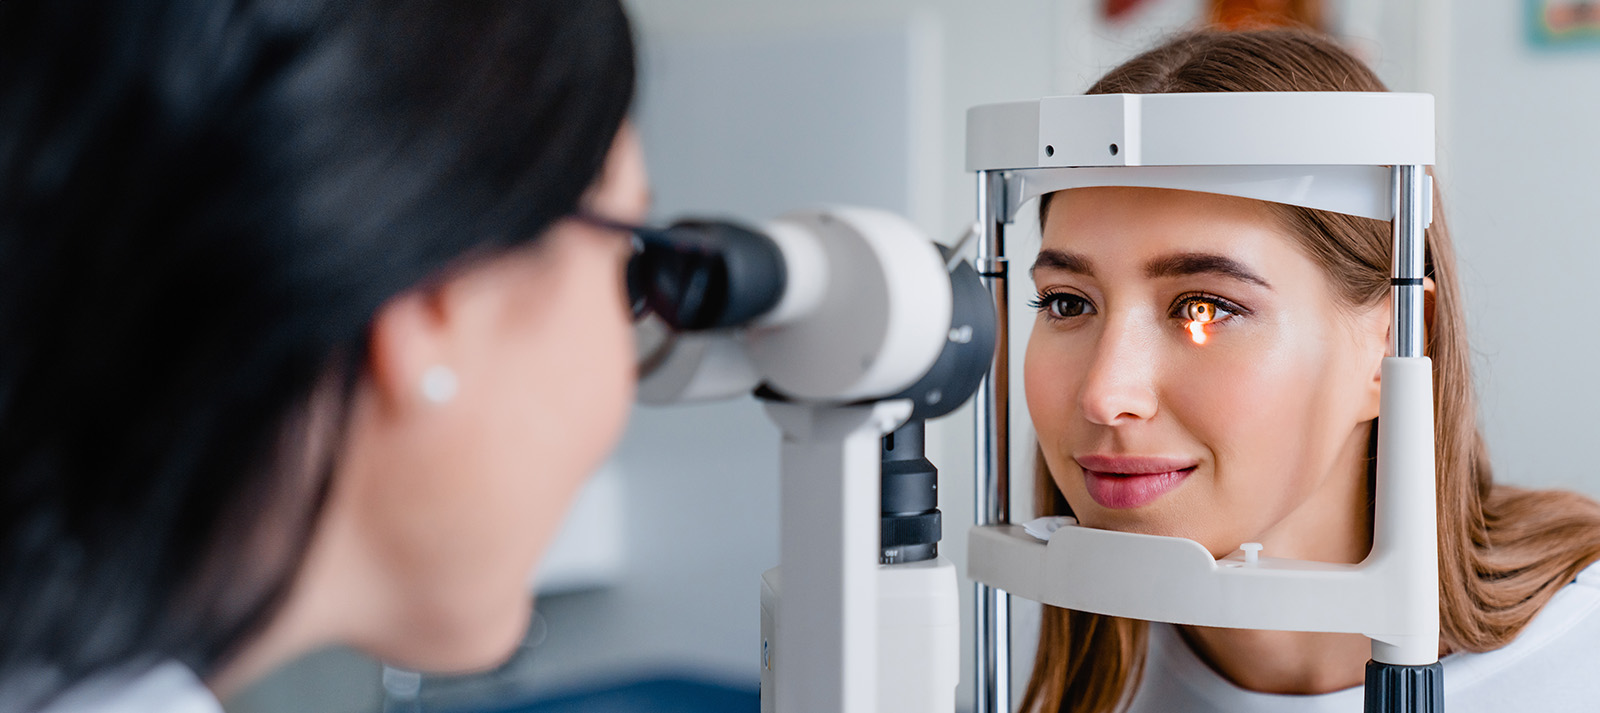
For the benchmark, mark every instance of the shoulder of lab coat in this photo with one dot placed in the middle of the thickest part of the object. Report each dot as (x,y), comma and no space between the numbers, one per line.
(169,687)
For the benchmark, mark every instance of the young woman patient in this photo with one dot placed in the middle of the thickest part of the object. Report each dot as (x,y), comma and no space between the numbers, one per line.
(1207,367)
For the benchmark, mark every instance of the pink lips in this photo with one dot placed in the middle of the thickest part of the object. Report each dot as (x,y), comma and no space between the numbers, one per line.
(1124,482)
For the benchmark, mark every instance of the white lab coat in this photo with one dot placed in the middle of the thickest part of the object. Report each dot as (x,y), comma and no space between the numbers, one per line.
(168,688)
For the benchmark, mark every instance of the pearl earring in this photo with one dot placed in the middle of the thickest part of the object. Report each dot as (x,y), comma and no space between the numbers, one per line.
(439,384)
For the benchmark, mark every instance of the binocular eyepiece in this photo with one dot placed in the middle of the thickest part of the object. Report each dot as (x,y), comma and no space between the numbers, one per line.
(699,275)
(705,276)
(715,277)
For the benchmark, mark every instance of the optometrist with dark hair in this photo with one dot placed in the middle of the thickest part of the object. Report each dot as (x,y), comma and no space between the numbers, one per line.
(300,340)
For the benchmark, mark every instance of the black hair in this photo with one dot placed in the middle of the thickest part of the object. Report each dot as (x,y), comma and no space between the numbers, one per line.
(202,206)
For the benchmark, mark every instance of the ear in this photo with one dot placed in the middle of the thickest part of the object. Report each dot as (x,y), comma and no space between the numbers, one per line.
(409,334)
(1429,298)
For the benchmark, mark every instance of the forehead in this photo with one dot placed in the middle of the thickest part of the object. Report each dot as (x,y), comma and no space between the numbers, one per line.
(1133,224)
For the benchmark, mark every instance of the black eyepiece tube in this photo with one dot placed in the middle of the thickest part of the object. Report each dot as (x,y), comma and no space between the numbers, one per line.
(699,275)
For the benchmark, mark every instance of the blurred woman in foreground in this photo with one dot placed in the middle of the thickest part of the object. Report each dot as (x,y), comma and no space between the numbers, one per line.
(300,342)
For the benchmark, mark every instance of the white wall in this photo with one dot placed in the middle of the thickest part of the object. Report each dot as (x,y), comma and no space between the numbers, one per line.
(1522,186)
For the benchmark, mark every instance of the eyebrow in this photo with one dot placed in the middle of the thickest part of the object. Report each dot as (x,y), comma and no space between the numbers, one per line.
(1177,265)
(1183,264)
(1062,260)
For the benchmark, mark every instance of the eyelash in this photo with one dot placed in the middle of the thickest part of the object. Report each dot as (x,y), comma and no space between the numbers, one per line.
(1233,309)
(1047,298)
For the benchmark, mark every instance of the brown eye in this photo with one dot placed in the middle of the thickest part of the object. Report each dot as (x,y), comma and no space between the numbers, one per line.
(1203,309)
(1062,305)
(1069,306)
(1199,311)
(1202,312)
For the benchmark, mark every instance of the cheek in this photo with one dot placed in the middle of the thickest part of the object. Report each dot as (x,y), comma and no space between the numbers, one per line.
(573,374)
(557,399)
(1268,411)
(1235,398)
(593,378)
(1050,376)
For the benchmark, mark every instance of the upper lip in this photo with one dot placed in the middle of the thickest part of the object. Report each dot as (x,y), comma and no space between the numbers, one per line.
(1134,465)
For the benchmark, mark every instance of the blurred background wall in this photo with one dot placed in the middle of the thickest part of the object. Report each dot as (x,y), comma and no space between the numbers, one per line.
(749,108)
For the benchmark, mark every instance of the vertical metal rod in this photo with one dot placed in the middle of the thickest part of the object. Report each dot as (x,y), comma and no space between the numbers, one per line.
(1396,680)
(992,492)
(1413,208)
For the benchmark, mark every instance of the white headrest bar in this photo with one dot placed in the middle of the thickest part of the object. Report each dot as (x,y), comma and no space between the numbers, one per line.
(1212,129)
(1356,190)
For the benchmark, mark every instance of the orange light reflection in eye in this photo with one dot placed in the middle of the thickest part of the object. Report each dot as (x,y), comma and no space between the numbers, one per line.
(1197,332)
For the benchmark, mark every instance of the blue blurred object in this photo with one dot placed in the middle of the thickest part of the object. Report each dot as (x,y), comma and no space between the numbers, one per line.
(662,695)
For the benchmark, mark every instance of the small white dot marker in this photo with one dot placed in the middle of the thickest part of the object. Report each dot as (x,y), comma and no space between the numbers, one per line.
(1252,552)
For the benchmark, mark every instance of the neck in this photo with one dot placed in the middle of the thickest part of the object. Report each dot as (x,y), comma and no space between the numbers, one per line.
(300,626)
(1285,662)
(320,609)
(276,647)
(1334,525)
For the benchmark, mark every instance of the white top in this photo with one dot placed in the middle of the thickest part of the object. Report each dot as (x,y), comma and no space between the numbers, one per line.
(168,688)
(1551,667)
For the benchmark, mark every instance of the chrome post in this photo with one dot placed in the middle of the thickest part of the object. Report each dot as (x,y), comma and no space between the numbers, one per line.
(992,493)
(1413,198)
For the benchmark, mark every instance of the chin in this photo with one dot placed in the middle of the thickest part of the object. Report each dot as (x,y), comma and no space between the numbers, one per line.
(470,644)
(1217,544)
(499,645)
(1131,523)
(497,641)
(1145,521)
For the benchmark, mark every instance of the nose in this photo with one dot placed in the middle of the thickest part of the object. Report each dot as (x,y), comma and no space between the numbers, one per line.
(1119,387)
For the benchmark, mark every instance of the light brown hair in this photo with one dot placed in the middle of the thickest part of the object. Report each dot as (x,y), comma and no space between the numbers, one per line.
(1503,551)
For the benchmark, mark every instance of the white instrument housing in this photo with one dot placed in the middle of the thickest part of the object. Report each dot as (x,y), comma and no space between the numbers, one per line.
(865,283)
(864,315)
(1210,129)
(1247,144)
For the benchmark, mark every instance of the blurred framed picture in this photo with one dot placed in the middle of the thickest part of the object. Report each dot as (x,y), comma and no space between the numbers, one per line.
(1251,14)
(1564,23)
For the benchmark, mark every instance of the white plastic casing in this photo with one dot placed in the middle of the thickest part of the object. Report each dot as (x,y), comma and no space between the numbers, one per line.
(1353,190)
(865,313)
(828,529)
(700,367)
(1210,129)
(919,638)
(1247,144)
(881,321)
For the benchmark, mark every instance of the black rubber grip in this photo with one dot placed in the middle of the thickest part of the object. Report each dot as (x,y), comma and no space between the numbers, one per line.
(1392,688)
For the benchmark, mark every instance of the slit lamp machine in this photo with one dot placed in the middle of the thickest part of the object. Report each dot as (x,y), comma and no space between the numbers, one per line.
(854,329)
